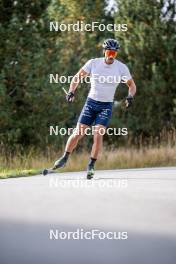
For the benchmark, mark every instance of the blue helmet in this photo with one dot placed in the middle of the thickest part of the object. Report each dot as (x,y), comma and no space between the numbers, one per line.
(111,44)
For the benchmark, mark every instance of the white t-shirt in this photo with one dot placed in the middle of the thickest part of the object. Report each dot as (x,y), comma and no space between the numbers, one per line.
(104,78)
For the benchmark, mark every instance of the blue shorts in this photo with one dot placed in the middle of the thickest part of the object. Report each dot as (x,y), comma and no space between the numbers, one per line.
(96,112)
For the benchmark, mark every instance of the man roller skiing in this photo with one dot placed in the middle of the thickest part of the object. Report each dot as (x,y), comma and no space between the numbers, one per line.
(98,106)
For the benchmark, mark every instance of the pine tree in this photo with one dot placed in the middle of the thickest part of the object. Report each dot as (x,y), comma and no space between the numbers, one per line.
(148,47)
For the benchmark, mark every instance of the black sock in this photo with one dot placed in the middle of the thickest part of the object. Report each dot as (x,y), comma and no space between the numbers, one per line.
(92,162)
(66,155)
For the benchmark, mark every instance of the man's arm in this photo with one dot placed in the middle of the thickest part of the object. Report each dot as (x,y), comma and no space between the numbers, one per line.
(76,79)
(131,87)
(131,92)
(73,85)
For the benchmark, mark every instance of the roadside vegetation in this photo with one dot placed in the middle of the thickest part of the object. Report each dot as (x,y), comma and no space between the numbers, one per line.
(122,158)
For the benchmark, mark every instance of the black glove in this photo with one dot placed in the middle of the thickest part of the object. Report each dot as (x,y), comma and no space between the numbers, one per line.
(129,101)
(70,97)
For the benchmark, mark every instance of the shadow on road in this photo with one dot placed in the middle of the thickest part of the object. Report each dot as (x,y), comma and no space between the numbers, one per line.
(30,244)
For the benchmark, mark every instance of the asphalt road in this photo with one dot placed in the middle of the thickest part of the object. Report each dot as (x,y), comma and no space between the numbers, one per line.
(138,205)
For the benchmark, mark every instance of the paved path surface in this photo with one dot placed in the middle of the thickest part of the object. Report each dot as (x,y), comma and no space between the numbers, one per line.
(139,204)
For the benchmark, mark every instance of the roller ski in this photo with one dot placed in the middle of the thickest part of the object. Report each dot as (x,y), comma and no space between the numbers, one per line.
(90,169)
(60,163)
(90,173)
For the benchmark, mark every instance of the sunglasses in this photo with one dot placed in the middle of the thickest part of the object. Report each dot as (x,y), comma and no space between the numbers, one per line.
(110,53)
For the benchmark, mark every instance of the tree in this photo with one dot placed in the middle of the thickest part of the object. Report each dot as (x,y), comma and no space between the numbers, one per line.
(29,52)
(148,48)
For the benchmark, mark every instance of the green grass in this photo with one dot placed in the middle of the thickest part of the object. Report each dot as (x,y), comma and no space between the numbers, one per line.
(13,173)
(122,158)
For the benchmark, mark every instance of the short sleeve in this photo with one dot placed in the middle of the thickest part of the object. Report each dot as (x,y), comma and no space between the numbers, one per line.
(125,73)
(88,66)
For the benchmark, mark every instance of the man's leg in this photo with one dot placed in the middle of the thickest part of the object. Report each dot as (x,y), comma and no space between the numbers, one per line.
(97,140)
(96,148)
(75,137)
(71,144)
